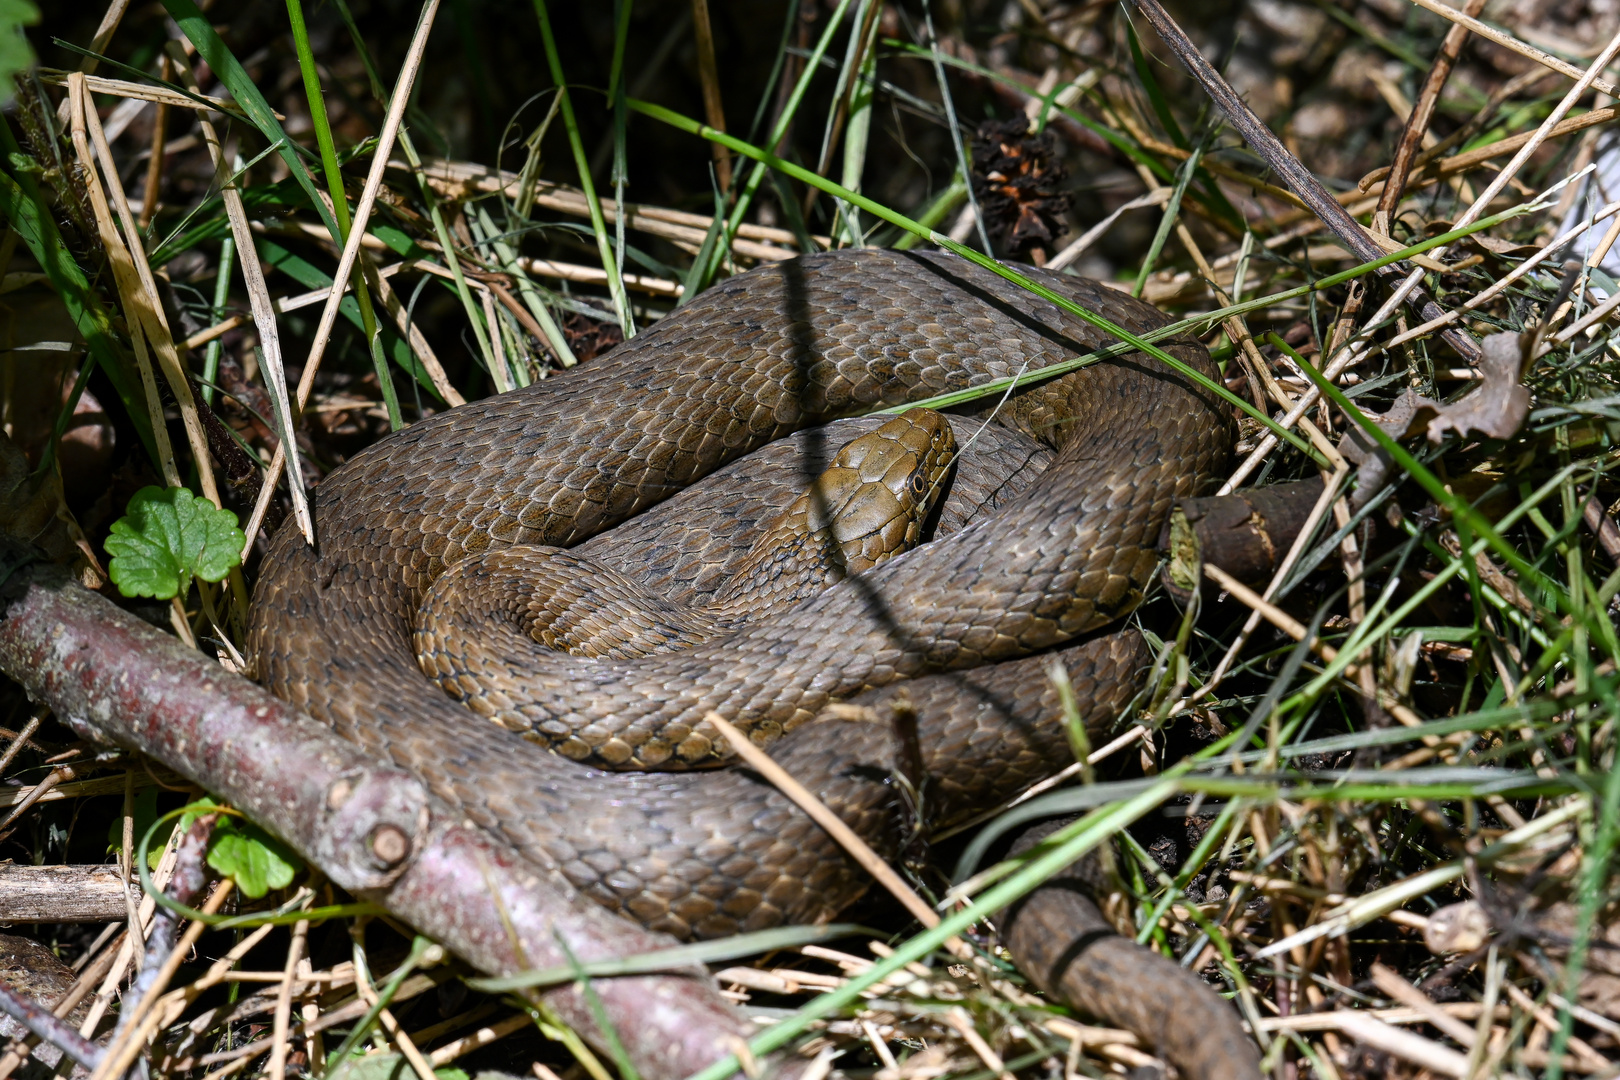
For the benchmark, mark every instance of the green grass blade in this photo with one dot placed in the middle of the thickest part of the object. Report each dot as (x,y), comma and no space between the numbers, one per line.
(1167,221)
(316,99)
(216,315)
(610,261)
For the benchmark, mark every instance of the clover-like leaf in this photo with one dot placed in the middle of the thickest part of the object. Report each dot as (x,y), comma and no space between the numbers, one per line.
(15,55)
(166,537)
(258,861)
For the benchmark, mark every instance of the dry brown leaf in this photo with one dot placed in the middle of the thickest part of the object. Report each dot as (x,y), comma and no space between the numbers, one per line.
(1495,409)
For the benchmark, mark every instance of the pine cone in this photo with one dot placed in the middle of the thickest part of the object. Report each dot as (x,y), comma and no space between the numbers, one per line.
(1016,181)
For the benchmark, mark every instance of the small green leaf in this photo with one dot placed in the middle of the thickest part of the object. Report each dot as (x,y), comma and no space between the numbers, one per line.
(258,861)
(15,55)
(166,537)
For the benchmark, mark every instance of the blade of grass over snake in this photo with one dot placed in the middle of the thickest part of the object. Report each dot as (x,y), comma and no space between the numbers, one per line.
(876,209)
(228,70)
(610,262)
(316,99)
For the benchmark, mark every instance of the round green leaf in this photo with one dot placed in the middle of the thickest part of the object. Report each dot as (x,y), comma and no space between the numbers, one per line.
(168,536)
(258,861)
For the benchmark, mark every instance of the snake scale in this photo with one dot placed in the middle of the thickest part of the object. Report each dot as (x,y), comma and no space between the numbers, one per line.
(956,634)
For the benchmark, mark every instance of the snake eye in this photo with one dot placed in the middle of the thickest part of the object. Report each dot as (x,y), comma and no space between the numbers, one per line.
(919,484)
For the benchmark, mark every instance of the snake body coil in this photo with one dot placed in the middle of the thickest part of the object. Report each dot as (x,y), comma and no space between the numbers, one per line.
(753,360)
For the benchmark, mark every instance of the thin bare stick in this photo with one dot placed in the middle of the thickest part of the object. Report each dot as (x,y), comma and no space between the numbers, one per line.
(154,165)
(39,790)
(499,371)
(595,275)
(39,1020)
(377,281)
(391,1025)
(132,91)
(1394,986)
(145,1018)
(283,1013)
(959,1019)
(1078,246)
(1500,284)
(1588,78)
(21,739)
(1330,491)
(709,73)
(458,179)
(479,1039)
